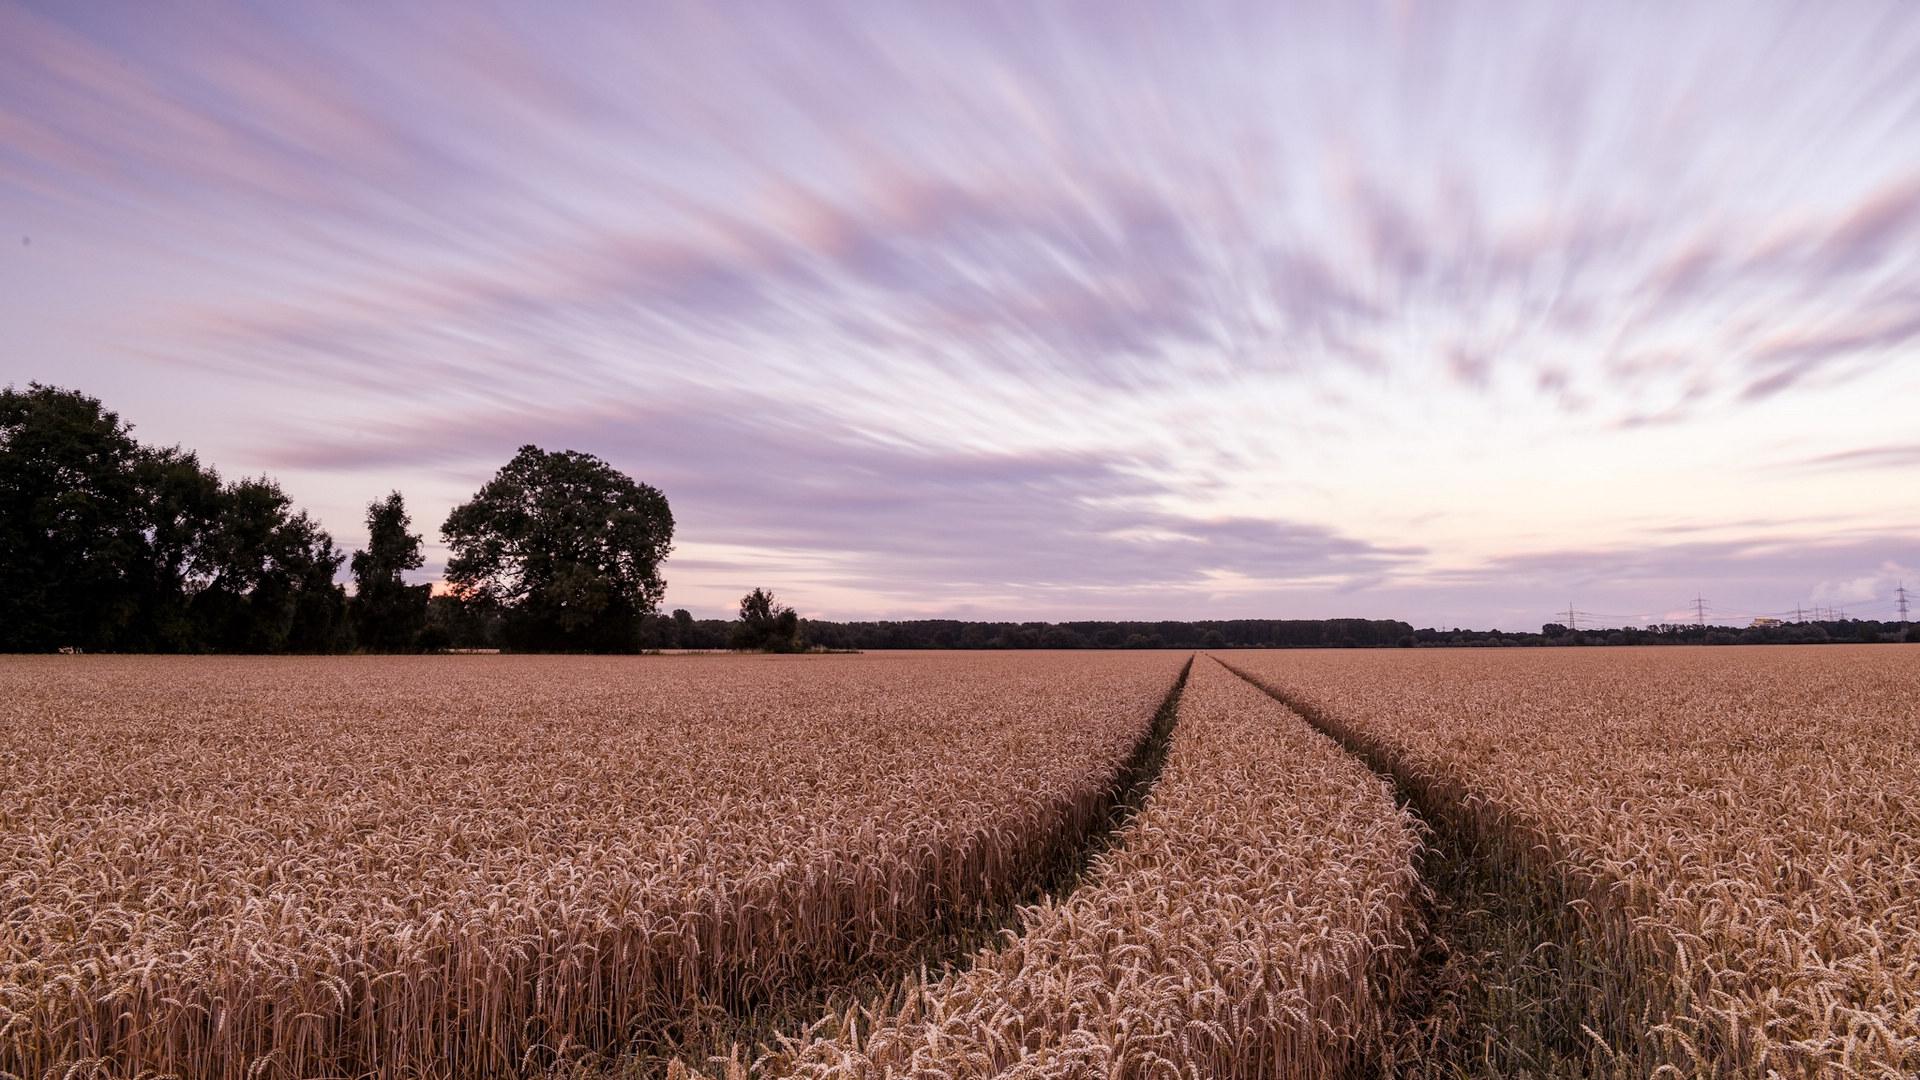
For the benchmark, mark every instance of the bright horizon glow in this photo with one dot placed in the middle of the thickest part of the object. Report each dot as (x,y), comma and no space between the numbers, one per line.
(1453,314)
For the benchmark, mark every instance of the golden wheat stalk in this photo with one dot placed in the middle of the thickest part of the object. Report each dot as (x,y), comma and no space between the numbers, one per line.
(225,868)
(1255,919)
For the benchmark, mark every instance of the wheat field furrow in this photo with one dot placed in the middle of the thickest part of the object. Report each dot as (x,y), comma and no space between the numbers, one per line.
(1251,864)
(1256,919)
(421,867)
(1729,839)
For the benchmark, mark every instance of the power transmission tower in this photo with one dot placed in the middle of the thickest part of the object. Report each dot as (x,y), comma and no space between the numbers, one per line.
(1700,609)
(1901,592)
(1797,617)
(1572,623)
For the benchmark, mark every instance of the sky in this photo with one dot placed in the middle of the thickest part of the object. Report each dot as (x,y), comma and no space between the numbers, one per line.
(1461,314)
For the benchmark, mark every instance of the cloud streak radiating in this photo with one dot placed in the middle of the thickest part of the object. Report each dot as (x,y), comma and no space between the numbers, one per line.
(1245,309)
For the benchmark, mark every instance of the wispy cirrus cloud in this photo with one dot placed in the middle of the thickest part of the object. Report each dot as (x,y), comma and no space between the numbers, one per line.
(969,302)
(896,519)
(1893,456)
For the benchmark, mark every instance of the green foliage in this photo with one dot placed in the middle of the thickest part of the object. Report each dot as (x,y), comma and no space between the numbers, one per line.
(567,547)
(72,516)
(106,544)
(457,622)
(1171,634)
(389,614)
(271,571)
(766,625)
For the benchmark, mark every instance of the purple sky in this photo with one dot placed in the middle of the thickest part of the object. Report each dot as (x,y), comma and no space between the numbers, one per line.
(1451,313)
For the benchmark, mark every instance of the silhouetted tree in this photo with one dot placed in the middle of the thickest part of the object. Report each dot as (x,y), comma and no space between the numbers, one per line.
(656,632)
(388,613)
(107,544)
(269,576)
(765,624)
(459,622)
(319,623)
(183,499)
(1060,637)
(567,546)
(72,520)
(683,629)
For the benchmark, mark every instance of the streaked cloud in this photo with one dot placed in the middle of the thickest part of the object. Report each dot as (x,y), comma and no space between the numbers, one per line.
(1896,456)
(893,519)
(945,307)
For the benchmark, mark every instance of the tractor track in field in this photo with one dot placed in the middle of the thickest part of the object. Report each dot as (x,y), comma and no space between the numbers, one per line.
(743,1034)
(1492,994)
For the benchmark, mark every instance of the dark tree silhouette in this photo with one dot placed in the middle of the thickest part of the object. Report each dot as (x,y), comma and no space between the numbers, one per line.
(72,520)
(269,584)
(765,624)
(183,499)
(388,613)
(319,616)
(568,547)
(108,544)
(456,622)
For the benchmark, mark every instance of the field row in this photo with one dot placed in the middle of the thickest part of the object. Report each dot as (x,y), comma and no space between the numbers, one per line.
(1256,919)
(440,867)
(226,868)
(1732,836)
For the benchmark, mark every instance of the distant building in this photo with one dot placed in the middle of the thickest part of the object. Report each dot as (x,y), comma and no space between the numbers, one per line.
(1768,620)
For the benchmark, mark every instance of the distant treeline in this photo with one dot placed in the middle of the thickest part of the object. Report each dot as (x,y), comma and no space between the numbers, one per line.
(682,631)
(1096,634)
(1786,633)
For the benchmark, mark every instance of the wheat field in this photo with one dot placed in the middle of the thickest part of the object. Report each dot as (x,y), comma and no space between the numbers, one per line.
(1736,832)
(468,866)
(1256,919)
(441,867)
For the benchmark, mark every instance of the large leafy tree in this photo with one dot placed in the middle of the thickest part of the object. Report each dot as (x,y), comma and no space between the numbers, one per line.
(183,501)
(270,576)
(73,520)
(567,546)
(108,544)
(388,613)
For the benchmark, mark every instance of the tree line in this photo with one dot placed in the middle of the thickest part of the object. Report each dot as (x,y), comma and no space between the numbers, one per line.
(681,630)
(108,544)
(1808,632)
